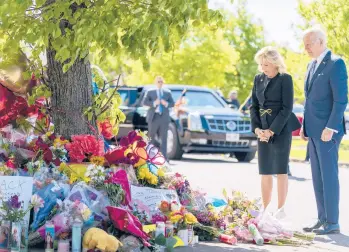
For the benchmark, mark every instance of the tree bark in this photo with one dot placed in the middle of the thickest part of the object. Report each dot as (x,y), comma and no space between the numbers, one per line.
(71,94)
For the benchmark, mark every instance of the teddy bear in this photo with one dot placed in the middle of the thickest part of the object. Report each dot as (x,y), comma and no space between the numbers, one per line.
(96,238)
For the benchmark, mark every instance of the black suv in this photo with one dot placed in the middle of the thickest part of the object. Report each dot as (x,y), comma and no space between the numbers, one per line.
(206,124)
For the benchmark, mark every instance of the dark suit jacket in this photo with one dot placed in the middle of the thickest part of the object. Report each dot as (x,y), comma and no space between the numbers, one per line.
(278,97)
(326,97)
(151,96)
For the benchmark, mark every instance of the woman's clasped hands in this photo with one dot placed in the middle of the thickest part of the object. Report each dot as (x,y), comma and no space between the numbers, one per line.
(264,135)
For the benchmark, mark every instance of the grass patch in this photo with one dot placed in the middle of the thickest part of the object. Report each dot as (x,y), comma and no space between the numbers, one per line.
(299,148)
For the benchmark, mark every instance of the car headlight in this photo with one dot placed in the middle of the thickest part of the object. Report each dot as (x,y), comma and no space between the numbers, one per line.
(194,122)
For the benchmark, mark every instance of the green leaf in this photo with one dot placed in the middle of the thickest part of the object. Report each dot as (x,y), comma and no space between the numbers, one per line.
(170,243)
(160,240)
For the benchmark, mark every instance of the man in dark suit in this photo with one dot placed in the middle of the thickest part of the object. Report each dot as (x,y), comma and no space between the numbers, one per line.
(158,118)
(326,92)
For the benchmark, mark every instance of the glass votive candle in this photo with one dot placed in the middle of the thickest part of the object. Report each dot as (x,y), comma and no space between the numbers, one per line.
(63,246)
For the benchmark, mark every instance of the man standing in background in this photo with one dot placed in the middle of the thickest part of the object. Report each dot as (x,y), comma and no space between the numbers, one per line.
(158,117)
(233,99)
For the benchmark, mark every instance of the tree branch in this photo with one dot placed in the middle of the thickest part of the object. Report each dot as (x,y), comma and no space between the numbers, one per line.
(48,3)
(105,107)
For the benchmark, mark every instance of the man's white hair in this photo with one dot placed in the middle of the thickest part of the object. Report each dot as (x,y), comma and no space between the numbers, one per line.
(318,32)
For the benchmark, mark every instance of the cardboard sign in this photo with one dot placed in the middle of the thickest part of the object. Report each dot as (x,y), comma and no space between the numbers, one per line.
(17,185)
(147,200)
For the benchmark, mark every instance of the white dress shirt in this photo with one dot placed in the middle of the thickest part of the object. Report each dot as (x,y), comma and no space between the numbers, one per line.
(157,110)
(320,58)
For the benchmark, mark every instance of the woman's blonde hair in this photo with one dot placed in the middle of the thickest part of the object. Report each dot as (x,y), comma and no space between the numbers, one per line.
(272,55)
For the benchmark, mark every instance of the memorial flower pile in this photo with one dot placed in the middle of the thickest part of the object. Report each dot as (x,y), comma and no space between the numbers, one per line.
(78,178)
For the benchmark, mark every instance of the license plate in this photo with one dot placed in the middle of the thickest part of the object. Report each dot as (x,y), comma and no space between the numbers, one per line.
(232,137)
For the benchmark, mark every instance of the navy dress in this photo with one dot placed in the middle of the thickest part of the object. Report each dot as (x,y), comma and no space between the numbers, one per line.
(272,104)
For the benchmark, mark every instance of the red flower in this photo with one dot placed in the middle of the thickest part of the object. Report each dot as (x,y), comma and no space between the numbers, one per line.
(125,221)
(11,164)
(45,148)
(115,156)
(106,129)
(84,146)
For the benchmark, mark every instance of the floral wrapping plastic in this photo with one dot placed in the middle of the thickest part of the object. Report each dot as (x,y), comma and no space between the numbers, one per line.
(49,194)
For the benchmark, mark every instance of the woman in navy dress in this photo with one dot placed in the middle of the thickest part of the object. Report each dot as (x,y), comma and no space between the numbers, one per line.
(273,122)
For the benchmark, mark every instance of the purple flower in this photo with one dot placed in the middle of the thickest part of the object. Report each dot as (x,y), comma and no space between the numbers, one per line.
(14,202)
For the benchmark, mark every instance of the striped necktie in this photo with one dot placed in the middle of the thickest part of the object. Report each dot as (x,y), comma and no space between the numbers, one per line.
(312,70)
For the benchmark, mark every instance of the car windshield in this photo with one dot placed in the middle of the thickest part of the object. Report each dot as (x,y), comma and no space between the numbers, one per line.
(128,96)
(198,98)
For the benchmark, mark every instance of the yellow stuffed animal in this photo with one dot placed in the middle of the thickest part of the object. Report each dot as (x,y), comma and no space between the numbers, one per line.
(96,238)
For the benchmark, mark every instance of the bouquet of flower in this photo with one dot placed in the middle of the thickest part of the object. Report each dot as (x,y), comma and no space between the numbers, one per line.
(177,215)
(181,185)
(239,209)
(12,209)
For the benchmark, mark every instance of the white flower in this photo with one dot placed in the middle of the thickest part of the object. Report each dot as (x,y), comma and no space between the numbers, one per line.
(87,174)
(37,202)
(91,167)
(175,206)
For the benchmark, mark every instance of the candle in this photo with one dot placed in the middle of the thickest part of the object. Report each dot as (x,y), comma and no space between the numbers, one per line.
(228,239)
(256,235)
(76,236)
(63,246)
(24,235)
(5,230)
(49,236)
(16,237)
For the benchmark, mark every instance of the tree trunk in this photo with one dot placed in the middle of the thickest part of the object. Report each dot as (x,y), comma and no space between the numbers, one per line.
(71,94)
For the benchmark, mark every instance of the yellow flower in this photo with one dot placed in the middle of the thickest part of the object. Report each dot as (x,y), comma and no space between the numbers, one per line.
(143,172)
(189,218)
(86,214)
(148,175)
(97,160)
(59,143)
(63,167)
(72,178)
(161,172)
(153,180)
(176,218)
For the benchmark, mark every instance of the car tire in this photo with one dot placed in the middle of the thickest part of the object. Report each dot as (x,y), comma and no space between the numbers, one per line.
(174,150)
(245,157)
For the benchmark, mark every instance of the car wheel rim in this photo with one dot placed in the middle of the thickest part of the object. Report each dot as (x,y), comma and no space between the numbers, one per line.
(170,141)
